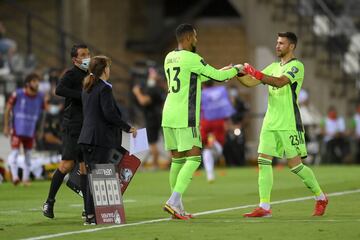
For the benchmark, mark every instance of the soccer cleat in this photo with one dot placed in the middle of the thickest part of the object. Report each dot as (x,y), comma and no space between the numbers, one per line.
(16,182)
(48,209)
(90,221)
(186,214)
(26,183)
(320,207)
(175,212)
(258,212)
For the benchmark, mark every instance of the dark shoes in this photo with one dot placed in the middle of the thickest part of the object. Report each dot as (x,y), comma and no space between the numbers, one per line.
(48,208)
(90,221)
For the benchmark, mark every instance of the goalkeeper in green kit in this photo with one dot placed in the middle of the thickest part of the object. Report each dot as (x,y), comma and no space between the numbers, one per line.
(282,132)
(185,70)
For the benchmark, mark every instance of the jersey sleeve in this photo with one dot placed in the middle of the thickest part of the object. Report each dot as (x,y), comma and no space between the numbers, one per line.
(200,67)
(294,71)
(204,79)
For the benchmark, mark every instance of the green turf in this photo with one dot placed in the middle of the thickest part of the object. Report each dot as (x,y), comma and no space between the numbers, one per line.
(21,217)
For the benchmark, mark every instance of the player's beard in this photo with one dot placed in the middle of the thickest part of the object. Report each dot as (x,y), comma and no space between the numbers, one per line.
(193,48)
(33,89)
(282,53)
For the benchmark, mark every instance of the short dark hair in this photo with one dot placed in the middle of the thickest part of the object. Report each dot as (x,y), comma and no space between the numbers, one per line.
(31,77)
(289,35)
(75,47)
(182,29)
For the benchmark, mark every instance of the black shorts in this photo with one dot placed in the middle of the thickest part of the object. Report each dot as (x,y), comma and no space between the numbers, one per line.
(153,133)
(71,150)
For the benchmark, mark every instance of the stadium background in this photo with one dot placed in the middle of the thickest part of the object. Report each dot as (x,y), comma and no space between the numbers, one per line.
(137,33)
(229,32)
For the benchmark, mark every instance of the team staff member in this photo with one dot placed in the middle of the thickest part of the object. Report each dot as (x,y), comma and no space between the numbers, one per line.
(70,87)
(102,126)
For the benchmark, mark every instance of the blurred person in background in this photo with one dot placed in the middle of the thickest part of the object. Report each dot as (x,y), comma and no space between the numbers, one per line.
(151,99)
(333,131)
(282,132)
(24,108)
(51,137)
(355,132)
(235,142)
(7,48)
(70,87)
(311,119)
(215,109)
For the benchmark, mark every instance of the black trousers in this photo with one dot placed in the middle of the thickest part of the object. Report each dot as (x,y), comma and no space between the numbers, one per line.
(93,155)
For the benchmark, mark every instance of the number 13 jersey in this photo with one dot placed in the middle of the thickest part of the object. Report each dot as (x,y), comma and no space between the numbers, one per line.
(185,71)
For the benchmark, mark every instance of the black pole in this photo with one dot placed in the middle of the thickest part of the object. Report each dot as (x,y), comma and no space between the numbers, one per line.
(60,23)
(28,34)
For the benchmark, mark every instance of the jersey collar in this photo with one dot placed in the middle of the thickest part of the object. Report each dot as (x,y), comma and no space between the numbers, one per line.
(288,61)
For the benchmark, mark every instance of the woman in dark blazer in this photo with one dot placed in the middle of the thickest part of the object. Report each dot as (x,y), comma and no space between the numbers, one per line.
(102,124)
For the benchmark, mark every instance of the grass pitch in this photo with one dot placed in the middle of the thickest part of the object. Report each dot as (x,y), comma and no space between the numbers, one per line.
(219,208)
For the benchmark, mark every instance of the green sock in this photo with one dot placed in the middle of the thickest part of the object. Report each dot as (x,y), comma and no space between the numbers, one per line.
(308,177)
(265,180)
(176,165)
(186,173)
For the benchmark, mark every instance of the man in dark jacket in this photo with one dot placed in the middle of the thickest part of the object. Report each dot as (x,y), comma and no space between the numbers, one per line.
(70,87)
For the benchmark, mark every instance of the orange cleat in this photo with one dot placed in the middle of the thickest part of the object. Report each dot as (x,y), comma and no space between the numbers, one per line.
(258,212)
(186,214)
(320,207)
(175,212)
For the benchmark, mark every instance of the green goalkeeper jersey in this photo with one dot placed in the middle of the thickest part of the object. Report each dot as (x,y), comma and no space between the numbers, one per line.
(283,110)
(185,71)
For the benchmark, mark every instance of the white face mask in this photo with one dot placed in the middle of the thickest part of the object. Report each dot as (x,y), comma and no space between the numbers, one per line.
(85,64)
(54,109)
(151,82)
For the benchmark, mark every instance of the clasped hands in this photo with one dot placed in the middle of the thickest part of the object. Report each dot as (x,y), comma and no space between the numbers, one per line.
(245,69)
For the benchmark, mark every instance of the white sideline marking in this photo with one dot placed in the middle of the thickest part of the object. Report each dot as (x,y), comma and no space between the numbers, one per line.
(196,214)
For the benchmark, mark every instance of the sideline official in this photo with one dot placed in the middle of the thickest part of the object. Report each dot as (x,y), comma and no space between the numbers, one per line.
(102,125)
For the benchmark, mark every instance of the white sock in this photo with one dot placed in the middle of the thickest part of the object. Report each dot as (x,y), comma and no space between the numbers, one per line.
(27,165)
(218,148)
(12,162)
(265,206)
(208,160)
(321,197)
(175,199)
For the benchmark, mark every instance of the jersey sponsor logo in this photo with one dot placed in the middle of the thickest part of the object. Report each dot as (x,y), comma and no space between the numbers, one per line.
(294,69)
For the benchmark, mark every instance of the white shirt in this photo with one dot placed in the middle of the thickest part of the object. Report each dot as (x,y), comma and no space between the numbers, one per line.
(332,127)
